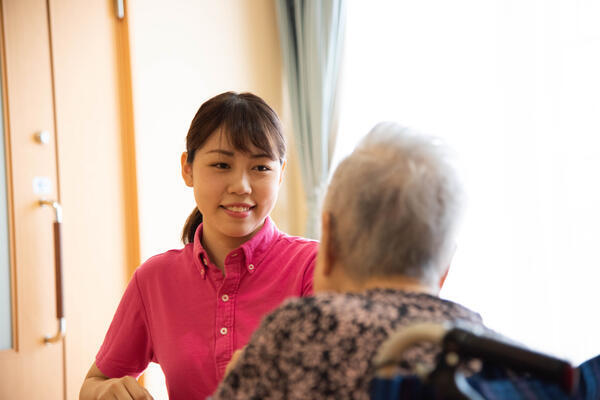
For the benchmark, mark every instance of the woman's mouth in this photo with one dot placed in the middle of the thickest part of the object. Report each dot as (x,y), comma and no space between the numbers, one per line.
(238,210)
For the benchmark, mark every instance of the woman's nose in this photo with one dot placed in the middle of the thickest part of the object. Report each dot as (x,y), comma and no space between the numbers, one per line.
(240,183)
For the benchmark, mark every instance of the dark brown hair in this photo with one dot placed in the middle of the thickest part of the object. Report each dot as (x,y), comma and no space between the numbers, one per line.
(246,120)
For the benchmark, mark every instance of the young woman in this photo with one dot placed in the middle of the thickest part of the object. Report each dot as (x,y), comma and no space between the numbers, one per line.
(190,309)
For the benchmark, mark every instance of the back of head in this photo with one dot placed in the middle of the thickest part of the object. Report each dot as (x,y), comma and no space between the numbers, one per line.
(394,206)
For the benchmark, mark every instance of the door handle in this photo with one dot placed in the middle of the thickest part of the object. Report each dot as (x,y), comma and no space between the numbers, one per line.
(60,315)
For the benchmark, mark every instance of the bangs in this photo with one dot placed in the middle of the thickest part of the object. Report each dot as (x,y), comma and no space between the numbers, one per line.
(244,129)
(246,122)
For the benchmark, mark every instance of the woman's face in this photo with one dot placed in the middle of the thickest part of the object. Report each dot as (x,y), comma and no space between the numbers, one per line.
(234,191)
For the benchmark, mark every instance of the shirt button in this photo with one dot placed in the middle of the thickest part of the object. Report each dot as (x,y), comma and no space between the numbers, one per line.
(223,331)
(251,267)
(225,298)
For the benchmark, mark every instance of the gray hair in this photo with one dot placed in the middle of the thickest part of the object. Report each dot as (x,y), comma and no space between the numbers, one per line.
(394,204)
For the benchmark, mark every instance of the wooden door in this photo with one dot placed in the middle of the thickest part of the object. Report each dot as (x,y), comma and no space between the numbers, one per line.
(96,163)
(29,109)
(66,72)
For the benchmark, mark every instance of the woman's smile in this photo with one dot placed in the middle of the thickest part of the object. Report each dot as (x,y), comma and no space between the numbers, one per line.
(238,210)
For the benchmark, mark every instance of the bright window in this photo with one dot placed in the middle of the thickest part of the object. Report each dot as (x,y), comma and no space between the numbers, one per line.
(514,87)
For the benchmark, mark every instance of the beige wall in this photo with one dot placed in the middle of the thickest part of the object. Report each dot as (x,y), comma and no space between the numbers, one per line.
(184,52)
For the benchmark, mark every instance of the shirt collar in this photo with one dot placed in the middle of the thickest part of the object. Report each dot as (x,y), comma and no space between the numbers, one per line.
(253,251)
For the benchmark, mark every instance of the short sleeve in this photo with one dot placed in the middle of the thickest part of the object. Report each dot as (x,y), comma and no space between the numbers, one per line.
(127,346)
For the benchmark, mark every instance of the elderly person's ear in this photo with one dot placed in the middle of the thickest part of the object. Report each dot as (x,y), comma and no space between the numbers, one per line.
(443,278)
(447,267)
(327,241)
(323,278)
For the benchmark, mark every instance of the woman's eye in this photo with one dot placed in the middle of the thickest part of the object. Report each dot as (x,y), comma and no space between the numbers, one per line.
(221,165)
(262,168)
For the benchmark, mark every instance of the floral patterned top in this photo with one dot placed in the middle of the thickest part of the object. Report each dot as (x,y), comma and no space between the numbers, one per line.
(321,347)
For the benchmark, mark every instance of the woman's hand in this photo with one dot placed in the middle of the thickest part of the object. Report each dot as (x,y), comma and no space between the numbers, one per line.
(98,386)
(126,388)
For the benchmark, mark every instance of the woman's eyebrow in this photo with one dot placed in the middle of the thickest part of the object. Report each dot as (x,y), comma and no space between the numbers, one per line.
(231,154)
(220,151)
(261,155)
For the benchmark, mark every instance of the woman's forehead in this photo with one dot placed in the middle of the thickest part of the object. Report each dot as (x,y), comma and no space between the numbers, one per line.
(221,139)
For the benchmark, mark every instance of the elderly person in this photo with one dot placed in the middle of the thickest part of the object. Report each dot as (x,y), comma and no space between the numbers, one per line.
(387,236)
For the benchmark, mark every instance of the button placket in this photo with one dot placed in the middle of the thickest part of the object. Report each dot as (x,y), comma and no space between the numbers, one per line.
(225,310)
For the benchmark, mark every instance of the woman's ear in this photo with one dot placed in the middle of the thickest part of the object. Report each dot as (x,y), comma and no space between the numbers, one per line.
(283,164)
(186,170)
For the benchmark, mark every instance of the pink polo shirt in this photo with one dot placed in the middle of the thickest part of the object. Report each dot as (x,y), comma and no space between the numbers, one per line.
(181,312)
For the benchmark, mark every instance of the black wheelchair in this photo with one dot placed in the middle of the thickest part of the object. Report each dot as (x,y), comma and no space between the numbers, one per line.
(508,371)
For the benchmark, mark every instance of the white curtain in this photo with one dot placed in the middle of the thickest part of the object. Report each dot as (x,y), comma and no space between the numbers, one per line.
(513,86)
(311,34)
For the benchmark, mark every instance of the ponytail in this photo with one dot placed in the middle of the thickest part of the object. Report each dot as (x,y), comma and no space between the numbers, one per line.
(189,229)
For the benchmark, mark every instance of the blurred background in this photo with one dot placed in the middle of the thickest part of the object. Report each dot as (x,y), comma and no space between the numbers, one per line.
(97,98)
